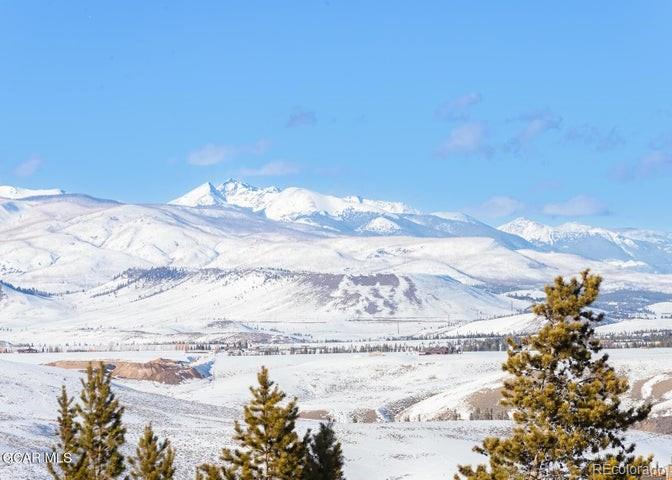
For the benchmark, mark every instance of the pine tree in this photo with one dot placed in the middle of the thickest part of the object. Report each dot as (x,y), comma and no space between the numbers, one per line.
(270,449)
(324,458)
(67,448)
(153,459)
(568,420)
(101,433)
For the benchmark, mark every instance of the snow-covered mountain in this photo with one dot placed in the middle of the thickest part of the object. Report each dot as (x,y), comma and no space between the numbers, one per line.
(351,215)
(287,204)
(243,253)
(14,193)
(647,249)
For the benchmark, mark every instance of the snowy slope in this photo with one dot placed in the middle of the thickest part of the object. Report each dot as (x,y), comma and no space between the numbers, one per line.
(180,305)
(7,191)
(264,254)
(635,247)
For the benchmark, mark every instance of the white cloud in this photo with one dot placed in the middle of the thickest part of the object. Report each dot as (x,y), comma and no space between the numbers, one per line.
(272,169)
(301,118)
(456,109)
(579,206)
(498,206)
(655,162)
(214,154)
(534,125)
(27,168)
(467,138)
(538,123)
(594,137)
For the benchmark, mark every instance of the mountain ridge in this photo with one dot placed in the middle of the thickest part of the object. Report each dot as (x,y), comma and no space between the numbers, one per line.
(320,265)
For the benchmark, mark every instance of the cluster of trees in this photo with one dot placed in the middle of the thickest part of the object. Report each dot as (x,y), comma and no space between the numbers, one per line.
(488,414)
(568,421)
(91,435)
(565,400)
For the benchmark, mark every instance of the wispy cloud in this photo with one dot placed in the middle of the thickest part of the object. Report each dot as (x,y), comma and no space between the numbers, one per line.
(579,206)
(497,207)
(457,108)
(468,138)
(594,137)
(301,118)
(655,162)
(662,142)
(213,154)
(272,169)
(28,167)
(533,126)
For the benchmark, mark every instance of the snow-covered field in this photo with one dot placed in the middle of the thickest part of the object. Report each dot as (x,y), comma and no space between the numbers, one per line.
(377,388)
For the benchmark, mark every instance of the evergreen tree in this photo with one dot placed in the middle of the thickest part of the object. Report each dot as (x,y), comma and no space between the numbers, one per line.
(101,433)
(324,458)
(66,449)
(270,449)
(568,420)
(153,459)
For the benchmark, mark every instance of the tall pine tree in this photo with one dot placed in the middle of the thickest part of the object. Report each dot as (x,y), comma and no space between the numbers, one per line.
(324,458)
(153,460)
(565,399)
(67,447)
(270,448)
(101,433)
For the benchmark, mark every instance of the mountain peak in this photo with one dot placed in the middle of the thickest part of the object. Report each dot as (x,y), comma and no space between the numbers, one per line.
(522,222)
(205,195)
(287,204)
(17,193)
(528,229)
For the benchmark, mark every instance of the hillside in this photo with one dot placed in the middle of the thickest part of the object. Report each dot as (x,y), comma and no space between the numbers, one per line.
(291,260)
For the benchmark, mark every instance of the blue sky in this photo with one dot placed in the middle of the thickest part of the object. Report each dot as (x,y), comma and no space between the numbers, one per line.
(497,109)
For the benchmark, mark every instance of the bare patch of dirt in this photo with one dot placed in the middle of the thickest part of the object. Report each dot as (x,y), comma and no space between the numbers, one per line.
(486,398)
(662,424)
(486,402)
(659,390)
(364,415)
(315,414)
(160,370)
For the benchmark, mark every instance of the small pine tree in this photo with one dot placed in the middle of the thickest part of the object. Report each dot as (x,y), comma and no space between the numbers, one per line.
(270,449)
(324,458)
(567,412)
(101,433)
(67,448)
(153,460)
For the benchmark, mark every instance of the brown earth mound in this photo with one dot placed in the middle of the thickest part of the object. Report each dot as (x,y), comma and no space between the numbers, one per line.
(661,424)
(160,370)
(315,414)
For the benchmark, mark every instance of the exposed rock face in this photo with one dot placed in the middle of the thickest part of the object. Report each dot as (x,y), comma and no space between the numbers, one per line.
(160,370)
